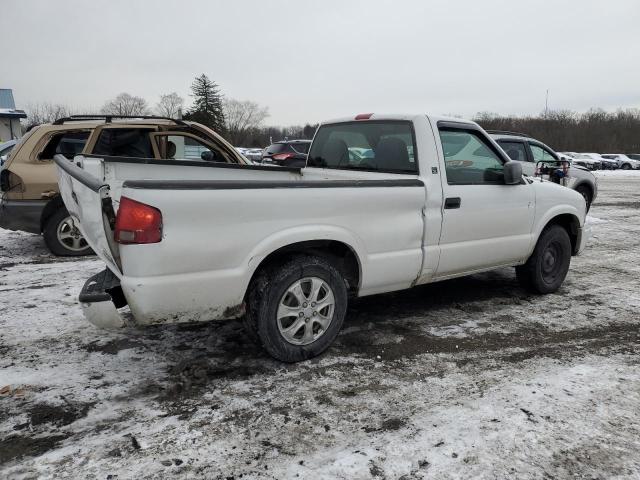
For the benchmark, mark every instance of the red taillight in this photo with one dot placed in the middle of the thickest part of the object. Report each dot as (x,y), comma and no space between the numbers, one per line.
(137,223)
(282,156)
(363,116)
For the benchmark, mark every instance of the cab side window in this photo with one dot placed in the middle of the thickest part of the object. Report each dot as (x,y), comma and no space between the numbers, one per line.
(541,154)
(515,150)
(124,142)
(68,144)
(470,159)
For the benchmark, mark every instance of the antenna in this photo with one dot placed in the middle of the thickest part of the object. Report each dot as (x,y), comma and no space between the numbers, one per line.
(546,105)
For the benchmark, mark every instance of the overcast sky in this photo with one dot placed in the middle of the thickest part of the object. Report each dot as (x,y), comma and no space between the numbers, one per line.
(309,61)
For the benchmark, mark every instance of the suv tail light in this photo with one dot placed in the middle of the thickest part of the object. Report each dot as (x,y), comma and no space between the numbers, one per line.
(137,223)
(282,156)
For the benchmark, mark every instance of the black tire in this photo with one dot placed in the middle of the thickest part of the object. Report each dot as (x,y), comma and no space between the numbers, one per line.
(625,166)
(54,224)
(549,263)
(267,291)
(586,194)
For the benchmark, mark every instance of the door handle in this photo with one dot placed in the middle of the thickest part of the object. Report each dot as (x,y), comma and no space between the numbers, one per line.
(452,202)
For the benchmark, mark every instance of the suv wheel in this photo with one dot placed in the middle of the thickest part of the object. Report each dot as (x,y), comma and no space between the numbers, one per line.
(63,237)
(586,194)
(625,166)
(547,267)
(296,309)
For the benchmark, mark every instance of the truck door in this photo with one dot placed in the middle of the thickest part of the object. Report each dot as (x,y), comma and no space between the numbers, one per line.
(485,223)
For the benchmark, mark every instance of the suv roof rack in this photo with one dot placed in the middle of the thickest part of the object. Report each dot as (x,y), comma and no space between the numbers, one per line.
(507,132)
(109,118)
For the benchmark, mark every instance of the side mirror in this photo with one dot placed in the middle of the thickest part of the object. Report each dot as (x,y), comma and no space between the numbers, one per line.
(208,156)
(512,173)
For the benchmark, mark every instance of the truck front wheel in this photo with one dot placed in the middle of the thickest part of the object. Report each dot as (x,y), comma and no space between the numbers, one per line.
(547,267)
(63,237)
(296,309)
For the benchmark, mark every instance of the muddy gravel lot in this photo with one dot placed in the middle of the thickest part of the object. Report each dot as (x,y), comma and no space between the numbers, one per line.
(467,378)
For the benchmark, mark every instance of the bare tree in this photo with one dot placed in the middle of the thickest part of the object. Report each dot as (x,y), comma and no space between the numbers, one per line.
(241,117)
(125,104)
(45,112)
(170,105)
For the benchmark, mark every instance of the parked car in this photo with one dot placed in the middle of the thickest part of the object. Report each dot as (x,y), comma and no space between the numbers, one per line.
(606,163)
(540,159)
(5,150)
(287,247)
(625,162)
(634,156)
(592,161)
(254,154)
(30,198)
(287,153)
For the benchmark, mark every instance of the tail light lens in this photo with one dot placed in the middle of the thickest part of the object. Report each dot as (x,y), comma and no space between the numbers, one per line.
(137,223)
(282,156)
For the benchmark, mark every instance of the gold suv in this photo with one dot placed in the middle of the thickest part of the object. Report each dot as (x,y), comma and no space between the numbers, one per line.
(30,198)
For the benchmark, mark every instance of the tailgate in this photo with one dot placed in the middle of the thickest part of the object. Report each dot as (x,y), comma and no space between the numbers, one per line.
(88,201)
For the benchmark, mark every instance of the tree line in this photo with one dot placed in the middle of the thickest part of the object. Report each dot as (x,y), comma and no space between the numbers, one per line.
(594,131)
(241,122)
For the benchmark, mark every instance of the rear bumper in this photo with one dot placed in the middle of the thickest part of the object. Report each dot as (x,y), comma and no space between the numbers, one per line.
(163,299)
(23,215)
(100,299)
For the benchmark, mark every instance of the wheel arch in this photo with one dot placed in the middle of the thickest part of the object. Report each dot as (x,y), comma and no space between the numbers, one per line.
(571,223)
(340,253)
(49,209)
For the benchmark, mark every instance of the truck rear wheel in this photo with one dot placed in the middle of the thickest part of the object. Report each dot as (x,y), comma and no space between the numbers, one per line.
(62,236)
(547,267)
(297,309)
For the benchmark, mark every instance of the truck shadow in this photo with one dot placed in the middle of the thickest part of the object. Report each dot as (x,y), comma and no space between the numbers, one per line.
(391,324)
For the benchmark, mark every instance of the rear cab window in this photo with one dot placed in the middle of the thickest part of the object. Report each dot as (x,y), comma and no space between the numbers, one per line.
(376,145)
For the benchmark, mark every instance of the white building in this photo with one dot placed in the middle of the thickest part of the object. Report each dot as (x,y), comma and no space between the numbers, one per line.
(10,127)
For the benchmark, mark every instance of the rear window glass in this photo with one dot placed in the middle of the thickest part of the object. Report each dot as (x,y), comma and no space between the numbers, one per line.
(387,146)
(276,148)
(68,144)
(302,147)
(124,142)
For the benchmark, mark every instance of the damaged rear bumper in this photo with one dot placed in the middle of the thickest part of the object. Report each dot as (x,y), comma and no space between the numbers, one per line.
(100,299)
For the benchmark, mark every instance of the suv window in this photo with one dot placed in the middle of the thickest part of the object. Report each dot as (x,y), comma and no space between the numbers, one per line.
(124,142)
(181,147)
(68,144)
(469,158)
(386,146)
(541,154)
(515,150)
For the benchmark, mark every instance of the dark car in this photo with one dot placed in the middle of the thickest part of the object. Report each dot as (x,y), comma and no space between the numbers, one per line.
(287,153)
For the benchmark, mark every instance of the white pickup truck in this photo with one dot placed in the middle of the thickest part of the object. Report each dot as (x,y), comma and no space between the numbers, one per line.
(385,203)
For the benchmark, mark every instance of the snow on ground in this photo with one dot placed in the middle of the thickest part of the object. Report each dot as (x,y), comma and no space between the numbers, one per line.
(470,378)
(617,173)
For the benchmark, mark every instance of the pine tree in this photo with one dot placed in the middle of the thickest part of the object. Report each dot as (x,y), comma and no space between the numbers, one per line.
(207,104)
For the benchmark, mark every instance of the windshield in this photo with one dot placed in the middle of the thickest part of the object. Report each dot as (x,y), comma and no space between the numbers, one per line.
(385,145)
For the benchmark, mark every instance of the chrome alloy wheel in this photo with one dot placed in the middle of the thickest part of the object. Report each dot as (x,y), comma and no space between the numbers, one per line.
(305,311)
(69,235)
